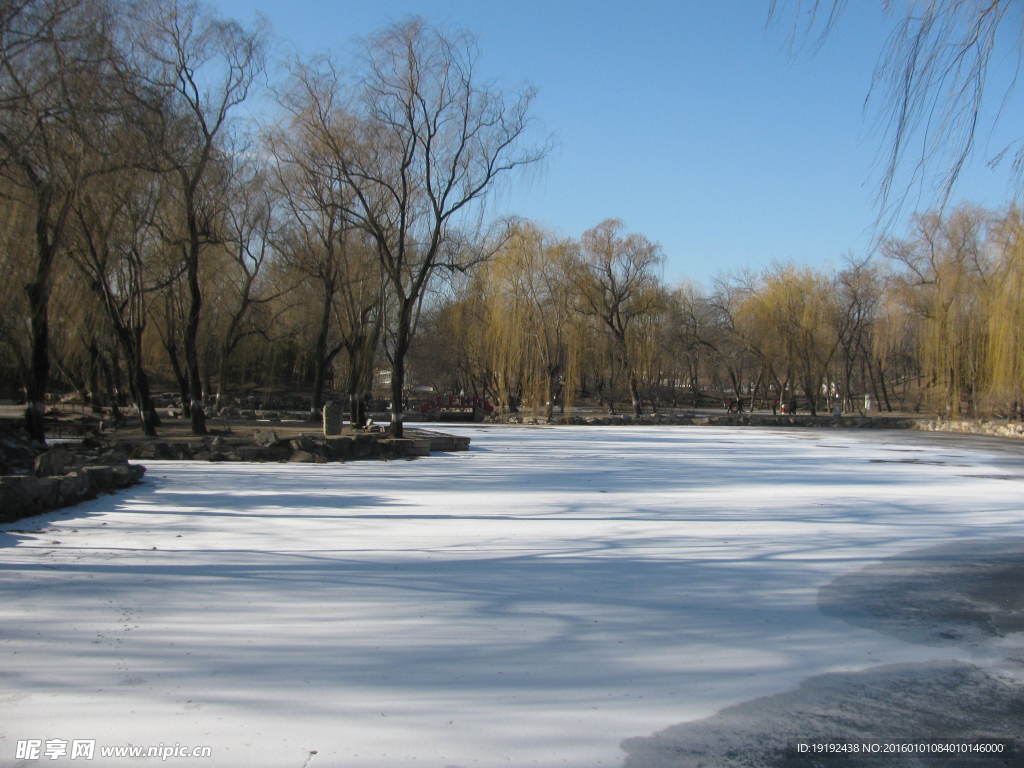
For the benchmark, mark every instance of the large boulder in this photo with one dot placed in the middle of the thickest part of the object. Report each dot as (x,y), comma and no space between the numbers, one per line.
(116,455)
(75,487)
(55,461)
(127,474)
(100,477)
(16,451)
(23,495)
(256,453)
(265,438)
(305,443)
(15,497)
(59,478)
(341,448)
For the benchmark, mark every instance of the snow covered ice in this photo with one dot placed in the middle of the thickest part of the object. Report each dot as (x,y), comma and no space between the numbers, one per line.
(553,597)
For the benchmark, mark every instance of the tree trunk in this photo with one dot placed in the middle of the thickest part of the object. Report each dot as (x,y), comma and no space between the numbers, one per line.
(885,390)
(144,400)
(812,400)
(39,372)
(38,292)
(757,388)
(195,385)
(222,374)
(179,374)
(206,369)
(398,368)
(552,388)
(110,378)
(606,394)
(354,381)
(94,376)
(634,394)
(872,381)
(320,353)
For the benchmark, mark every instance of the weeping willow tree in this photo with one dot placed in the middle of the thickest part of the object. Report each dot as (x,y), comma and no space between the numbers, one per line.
(730,330)
(527,331)
(616,284)
(754,322)
(505,319)
(893,344)
(942,80)
(789,318)
(945,276)
(15,239)
(467,324)
(653,351)
(1005,321)
(460,325)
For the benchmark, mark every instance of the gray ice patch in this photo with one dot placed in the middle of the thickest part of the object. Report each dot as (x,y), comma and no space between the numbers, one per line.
(943,701)
(955,594)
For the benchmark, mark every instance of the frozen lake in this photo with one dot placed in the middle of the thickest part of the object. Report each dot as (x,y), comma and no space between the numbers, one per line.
(552,597)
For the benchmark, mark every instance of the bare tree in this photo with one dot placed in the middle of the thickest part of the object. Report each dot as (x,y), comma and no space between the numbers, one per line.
(248,231)
(617,285)
(116,249)
(319,238)
(54,58)
(16,243)
(859,290)
(420,149)
(196,70)
(738,345)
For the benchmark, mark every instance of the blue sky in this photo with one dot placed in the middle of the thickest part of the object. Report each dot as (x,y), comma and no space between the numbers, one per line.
(691,121)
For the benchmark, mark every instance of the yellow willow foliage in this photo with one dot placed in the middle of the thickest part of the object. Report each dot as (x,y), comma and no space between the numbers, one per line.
(760,322)
(895,329)
(647,342)
(15,242)
(945,284)
(1005,318)
(464,323)
(526,324)
(788,318)
(952,341)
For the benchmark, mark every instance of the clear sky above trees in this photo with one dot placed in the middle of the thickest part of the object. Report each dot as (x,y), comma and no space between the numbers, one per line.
(691,121)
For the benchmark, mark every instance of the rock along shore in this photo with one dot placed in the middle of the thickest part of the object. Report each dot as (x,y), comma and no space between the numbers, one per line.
(59,477)
(266,444)
(722,420)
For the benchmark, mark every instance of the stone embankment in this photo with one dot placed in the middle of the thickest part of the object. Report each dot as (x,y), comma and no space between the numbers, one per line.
(723,420)
(994,428)
(267,445)
(33,483)
(1001,428)
(34,480)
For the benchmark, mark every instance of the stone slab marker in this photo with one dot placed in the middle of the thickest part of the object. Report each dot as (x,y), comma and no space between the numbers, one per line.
(332,419)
